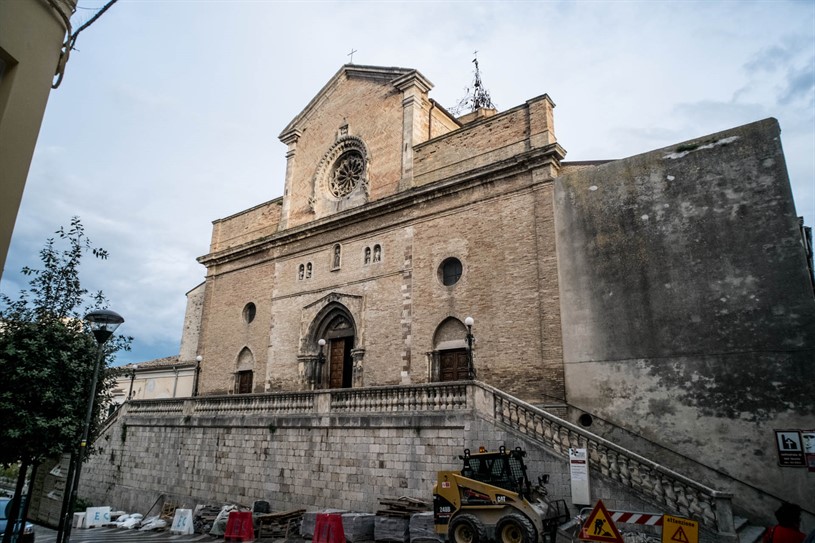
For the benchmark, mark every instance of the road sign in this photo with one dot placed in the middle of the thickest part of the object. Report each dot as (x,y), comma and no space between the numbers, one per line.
(790,448)
(600,527)
(679,530)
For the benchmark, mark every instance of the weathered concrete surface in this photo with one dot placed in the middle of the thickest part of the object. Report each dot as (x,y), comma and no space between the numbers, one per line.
(686,308)
(342,462)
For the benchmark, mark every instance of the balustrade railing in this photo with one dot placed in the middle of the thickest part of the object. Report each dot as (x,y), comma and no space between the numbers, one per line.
(420,398)
(431,397)
(149,407)
(677,492)
(287,402)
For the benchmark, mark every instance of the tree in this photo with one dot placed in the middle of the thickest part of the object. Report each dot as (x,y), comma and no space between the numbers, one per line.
(47,356)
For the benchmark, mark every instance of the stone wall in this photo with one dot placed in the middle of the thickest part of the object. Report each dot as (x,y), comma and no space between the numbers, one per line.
(687,313)
(503,234)
(251,224)
(486,141)
(188,350)
(348,449)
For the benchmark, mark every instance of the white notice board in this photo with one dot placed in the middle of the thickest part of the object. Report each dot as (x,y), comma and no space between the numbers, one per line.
(579,471)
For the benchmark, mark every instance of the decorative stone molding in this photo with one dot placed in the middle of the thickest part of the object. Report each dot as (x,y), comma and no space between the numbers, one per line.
(358,356)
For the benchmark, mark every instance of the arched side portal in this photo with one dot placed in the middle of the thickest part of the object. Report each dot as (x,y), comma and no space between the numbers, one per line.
(448,360)
(338,364)
(244,372)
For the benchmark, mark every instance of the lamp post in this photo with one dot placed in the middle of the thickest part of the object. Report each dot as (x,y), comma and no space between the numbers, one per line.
(320,362)
(468,322)
(198,360)
(103,323)
(132,378)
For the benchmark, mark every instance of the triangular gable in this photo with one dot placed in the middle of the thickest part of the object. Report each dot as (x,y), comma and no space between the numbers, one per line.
(391,74)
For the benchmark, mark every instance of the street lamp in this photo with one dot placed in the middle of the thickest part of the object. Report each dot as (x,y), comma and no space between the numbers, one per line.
(198,360)
(103,323)
(468,322)
(320,362)
(132,378)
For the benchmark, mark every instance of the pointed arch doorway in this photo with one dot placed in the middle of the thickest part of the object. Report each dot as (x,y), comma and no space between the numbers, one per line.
(337,328)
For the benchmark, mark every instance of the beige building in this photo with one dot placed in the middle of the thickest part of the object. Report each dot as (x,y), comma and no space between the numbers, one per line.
(27,70)
(154,380)
(663,300)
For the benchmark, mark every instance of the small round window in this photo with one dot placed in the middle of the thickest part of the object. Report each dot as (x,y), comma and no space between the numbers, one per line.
(450,271)
(249,312)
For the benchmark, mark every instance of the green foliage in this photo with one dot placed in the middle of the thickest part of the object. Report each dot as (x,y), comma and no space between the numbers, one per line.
(47,354)
(81,504)
(9,472)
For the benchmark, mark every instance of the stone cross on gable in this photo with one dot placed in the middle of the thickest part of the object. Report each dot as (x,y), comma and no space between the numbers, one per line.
(351,54)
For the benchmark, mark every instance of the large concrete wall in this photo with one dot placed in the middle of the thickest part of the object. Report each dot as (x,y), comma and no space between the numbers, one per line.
(686,309)
(240,453)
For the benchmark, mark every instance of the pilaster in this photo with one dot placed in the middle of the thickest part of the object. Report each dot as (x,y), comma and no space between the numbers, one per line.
(290,139)
(414,89)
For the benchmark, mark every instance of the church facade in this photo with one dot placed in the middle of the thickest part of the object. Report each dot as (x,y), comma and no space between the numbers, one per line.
(666,296)
(395,224)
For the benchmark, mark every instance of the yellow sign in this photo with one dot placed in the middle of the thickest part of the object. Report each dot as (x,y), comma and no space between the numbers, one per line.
(600,527)
(679,530)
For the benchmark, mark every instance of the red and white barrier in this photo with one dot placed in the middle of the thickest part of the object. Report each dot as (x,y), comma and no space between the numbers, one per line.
(648,519)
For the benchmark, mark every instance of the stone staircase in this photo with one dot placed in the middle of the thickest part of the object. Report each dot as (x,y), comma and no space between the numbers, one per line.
(657,484)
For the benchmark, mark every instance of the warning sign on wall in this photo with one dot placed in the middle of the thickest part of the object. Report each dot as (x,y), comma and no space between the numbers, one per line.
(679,530)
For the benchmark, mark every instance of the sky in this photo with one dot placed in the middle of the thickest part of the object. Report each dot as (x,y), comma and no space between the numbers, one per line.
(169,112)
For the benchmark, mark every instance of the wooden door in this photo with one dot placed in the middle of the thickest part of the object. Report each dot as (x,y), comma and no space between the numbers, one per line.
(244,382)
(453,365)
(336,359)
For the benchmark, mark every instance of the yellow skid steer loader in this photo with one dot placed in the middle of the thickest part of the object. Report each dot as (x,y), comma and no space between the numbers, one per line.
(491,498)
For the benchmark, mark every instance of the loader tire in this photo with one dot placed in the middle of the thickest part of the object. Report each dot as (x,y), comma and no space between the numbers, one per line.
(466,528)
(515,528)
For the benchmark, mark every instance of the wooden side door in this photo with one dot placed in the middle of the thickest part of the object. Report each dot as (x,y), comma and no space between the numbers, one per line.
(453,365)
(336,358)
(244,382)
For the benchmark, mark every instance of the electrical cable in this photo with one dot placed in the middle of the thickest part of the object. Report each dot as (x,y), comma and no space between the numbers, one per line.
(70,41)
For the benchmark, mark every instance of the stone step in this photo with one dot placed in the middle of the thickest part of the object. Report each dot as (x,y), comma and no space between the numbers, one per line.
(750,534)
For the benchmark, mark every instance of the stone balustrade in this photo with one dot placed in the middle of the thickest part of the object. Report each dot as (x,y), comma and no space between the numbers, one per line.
(421,398)
(684,496)
(281,403)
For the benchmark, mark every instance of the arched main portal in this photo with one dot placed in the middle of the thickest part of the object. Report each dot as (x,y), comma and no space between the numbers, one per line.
(335,366)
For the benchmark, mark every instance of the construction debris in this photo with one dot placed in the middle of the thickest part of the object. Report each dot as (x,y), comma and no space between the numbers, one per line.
(402,507)
(423,529)
(279,525)
(391,528)
(358,526)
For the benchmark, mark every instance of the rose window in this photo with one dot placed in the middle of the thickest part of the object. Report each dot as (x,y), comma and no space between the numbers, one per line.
(347,174)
